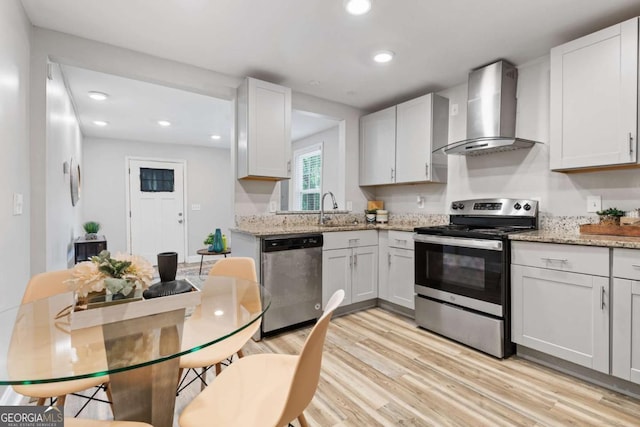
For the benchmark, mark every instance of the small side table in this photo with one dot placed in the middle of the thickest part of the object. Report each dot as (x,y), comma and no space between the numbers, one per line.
(84,249)
(204,252)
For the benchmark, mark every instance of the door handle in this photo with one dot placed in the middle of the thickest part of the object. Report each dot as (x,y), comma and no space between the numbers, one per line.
(630,143)
(602,298)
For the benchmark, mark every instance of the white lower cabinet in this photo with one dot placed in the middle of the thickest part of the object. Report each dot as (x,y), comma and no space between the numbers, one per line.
(558,312)
(350,262)
(396,279)
(625,350)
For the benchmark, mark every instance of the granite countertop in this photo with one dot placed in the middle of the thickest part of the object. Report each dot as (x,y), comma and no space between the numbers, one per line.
(275,230)
(573,238)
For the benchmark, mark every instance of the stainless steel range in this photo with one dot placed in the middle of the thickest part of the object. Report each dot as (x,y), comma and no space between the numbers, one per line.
(462,272)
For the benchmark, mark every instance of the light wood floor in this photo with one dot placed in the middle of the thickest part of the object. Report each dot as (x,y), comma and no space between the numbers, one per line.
(380,370)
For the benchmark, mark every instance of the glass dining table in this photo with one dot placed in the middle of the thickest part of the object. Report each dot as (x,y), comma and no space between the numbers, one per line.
(141,355)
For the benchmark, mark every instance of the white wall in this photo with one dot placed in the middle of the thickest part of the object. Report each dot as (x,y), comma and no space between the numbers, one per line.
(14,139)
(209,184)
(253,197)
(330,158)
(64,145)
(520,173)
(67,49)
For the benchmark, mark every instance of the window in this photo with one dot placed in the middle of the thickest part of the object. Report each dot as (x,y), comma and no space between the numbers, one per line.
(307,178)
(156,180)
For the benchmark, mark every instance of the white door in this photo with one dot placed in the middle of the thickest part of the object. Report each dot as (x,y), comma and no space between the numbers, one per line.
(336,274)
(378,147)
(364,274)
(413,140)
(157,221)
(401,280)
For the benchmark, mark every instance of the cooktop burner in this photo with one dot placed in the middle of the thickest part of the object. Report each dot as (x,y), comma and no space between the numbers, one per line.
(487,218)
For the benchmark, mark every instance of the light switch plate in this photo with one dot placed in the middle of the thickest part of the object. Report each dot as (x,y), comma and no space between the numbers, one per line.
(594,203)
(18,203)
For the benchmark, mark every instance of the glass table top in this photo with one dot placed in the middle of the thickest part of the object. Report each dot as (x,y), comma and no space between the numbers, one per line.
(36,347)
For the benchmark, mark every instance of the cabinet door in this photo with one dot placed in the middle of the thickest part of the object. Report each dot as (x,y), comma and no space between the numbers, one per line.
(378,147)
(562,314)
(401,280)
(594,95)
(383,265)
(626,330)
(364,273)
(265,145)
(336,274)
(413,140)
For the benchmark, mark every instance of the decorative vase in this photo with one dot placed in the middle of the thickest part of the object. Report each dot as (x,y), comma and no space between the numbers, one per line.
(167,266)
(91,236)
(217,241)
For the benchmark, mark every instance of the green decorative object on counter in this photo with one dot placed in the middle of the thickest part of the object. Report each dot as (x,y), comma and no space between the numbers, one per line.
(370,215)
(610,216)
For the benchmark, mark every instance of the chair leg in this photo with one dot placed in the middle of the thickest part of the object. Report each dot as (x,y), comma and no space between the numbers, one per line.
(302,420)
(107,390)
(240,354)
(204,376)
(218,368)
(41,401)
(60,400)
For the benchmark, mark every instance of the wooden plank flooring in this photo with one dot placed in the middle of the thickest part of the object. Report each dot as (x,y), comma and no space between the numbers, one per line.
(380,370)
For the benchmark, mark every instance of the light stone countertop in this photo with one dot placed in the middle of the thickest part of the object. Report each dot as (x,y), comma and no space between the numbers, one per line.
(577,239)
(275,230)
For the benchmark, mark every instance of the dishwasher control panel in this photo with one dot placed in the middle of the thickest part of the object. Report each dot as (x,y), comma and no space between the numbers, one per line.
(290,243)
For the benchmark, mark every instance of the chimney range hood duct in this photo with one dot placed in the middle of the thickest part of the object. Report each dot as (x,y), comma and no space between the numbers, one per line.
(491,112)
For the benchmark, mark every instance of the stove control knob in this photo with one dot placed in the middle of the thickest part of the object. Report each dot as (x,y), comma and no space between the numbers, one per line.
(460,206)
(517,206)
(454,206)
(527,207)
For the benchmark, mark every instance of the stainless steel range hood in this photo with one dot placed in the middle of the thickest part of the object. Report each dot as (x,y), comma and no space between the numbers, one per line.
(491,112)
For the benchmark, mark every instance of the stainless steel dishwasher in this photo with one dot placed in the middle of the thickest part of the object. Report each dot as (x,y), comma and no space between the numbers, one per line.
(292,273)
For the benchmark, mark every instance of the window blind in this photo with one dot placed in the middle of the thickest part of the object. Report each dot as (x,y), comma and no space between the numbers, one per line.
(307,178)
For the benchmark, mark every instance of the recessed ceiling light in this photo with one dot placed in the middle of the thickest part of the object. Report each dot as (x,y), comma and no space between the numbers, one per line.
(98,96)
(383,56)
(164,123)
(100,123)
(215,137)
(357,7)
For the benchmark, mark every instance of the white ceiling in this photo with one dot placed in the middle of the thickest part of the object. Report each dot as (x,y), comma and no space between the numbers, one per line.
(293,42)
(134,108)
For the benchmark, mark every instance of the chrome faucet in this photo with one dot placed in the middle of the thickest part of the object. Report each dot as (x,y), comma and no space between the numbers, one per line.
(324,218)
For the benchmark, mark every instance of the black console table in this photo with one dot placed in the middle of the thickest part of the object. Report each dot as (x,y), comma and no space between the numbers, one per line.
(84,249)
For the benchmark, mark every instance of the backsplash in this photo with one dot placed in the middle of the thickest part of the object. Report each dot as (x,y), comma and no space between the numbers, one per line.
(565,224)
(272,220)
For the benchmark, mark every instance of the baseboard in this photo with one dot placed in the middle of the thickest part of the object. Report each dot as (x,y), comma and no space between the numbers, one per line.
(193,258)
(598,378)
(395,308)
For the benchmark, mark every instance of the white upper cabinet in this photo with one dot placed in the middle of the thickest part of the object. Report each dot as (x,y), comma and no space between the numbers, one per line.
(378,147)
(422,126)
(594,99)
(264,130)
(396,144)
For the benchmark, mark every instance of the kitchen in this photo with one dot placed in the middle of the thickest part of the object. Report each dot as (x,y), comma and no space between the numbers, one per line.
(522,173)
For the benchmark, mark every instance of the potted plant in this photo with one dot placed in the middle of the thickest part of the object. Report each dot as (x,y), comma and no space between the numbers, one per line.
(91,229)
(610,216)
(370,215)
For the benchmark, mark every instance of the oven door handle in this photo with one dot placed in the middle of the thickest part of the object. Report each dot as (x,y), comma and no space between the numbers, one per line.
(491,245)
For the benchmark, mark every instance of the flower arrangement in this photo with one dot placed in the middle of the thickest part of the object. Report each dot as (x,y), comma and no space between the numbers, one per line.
(118,274)
(610,216)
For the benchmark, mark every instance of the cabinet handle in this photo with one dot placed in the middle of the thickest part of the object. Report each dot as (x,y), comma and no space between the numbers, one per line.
(289,166)
(355,260)
(401,242)
(602,298)
(426,169)
(392,174)
(350,260)
(389,258)
(630,143)
(635,265)
(563,260)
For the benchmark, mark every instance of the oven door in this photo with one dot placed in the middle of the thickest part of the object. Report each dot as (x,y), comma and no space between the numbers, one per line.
(463,271)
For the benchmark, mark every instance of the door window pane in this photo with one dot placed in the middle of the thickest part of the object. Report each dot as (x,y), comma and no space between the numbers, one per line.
(156,180)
